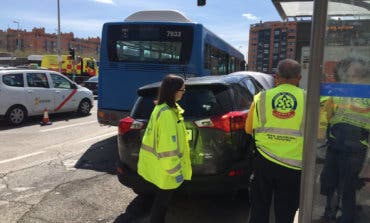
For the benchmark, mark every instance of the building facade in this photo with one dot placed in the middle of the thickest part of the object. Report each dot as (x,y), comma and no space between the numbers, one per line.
(39,42)
(270,42)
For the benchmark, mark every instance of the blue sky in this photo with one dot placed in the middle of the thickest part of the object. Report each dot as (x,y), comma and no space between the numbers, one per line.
(229,19)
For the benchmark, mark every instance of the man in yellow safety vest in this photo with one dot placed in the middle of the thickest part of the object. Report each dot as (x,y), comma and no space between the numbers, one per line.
(348,143)
(276,121)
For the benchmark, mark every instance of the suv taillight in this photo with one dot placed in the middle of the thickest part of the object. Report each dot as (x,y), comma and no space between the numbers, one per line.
(127,124)
(231,121)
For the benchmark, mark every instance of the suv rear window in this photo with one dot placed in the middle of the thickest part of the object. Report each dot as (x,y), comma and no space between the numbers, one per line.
(198,101)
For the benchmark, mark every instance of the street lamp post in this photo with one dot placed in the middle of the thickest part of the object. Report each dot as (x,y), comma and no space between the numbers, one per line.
(58,41)
(18,42)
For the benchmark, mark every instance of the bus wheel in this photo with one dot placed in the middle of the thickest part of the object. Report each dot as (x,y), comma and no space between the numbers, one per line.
(16,115)
(84,107)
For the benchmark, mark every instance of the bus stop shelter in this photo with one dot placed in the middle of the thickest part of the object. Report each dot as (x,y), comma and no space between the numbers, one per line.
(340,29)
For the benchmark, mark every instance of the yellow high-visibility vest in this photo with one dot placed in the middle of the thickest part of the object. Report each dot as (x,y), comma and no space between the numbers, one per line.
(323,118)
(164,157)
(353,111)
(278,125)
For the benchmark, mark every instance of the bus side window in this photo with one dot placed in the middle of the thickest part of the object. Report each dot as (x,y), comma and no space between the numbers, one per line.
(216,60)
(207,57)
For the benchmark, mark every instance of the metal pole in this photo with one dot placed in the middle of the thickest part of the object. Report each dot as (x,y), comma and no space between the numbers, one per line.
(58,42)
(318,29)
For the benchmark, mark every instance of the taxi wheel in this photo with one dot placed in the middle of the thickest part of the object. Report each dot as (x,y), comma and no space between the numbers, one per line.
(16,115)
(84,107)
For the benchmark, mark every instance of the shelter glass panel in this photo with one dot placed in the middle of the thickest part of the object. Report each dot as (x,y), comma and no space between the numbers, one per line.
(342,171)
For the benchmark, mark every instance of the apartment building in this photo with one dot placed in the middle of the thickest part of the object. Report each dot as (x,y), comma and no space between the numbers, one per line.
(38,41)
(270,42)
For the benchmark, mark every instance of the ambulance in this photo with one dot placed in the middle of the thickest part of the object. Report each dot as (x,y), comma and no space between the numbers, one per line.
(25,93)
(80,69)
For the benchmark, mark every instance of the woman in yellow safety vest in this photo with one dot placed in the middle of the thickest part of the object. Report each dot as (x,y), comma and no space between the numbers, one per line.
(164,158)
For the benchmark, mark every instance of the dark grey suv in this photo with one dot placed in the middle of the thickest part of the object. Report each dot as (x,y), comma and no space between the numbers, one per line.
(216,108)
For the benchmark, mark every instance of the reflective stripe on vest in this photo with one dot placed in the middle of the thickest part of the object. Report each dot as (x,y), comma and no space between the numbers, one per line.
(348,113)
(162,110)
(262,110)
(162,154)
(353,116)
(166,154)
(290,162)
(293,132)
(175,169)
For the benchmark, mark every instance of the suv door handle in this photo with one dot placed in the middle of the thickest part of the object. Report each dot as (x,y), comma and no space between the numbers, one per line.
(29,91)
(57,92)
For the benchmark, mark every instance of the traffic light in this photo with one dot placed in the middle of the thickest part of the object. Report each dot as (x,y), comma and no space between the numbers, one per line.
(72,53)
(201,2)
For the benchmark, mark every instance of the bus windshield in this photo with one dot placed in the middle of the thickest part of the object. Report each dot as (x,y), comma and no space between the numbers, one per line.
(166,44)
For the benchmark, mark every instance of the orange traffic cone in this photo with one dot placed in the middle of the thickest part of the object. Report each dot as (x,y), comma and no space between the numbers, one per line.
(45,119)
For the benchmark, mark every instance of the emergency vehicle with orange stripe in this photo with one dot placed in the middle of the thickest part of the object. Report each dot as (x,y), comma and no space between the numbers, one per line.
(25,93)
(79,69)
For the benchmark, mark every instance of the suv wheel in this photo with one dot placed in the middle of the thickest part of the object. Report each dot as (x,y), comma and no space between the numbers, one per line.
(16,115)
(84,107)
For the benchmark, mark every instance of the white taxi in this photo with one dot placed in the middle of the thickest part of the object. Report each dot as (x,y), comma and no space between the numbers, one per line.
(26,93)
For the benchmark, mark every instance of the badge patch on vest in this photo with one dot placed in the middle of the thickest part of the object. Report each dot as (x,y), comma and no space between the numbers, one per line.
(284,105)
(173,138)
(179,178)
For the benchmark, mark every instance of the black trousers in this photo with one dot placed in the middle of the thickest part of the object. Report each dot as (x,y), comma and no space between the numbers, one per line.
(160,205)
(273,180)
(340,174)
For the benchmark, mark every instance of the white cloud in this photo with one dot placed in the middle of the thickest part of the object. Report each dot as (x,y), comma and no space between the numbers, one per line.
(250,16)
(105,1)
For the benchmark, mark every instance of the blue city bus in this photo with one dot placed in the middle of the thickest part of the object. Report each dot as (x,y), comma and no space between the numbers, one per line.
(149,45)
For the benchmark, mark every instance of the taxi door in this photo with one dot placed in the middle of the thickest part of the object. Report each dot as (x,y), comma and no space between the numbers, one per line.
(38,93)
(64,92)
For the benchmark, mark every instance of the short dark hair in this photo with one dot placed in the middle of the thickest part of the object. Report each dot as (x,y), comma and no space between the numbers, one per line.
(288,69)
(170,85)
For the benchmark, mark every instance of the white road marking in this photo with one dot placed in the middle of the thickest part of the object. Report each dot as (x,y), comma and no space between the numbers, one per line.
(21,157)
(53,146)
(67,126)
